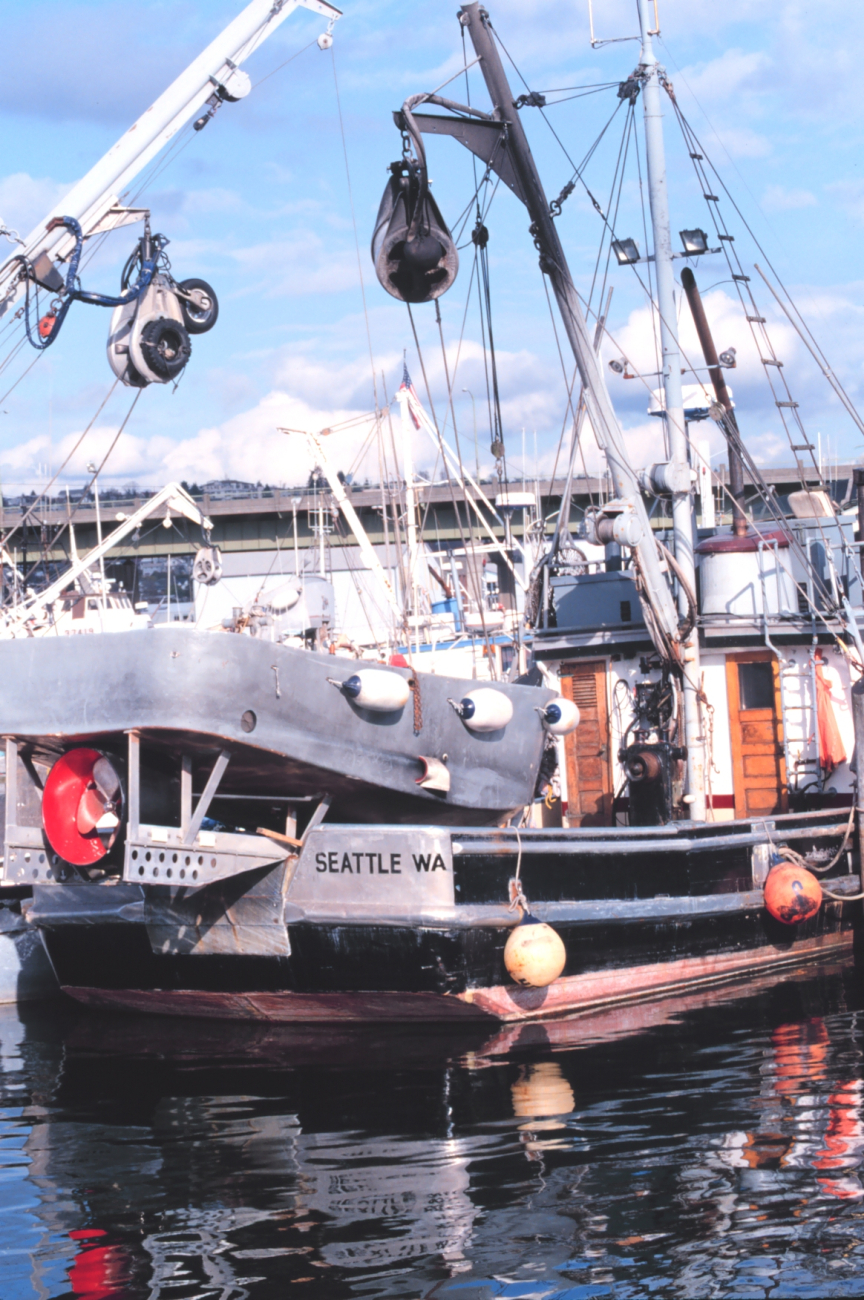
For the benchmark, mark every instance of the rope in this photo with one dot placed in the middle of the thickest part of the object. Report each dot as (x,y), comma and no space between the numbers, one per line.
(517,896)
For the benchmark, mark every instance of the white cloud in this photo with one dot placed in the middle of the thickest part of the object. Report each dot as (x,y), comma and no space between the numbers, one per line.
(778,199)
(850,196)
(25,200)
(735,72)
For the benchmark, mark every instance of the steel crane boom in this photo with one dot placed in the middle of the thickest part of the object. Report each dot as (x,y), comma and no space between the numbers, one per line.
(96,200)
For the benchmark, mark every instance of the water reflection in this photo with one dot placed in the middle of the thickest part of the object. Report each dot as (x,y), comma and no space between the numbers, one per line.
(709,1145)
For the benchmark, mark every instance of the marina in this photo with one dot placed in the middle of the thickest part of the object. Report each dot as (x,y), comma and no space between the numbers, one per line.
(531,799)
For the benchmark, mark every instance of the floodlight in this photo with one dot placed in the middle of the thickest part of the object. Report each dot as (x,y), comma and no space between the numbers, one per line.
(626,251)
(694,241)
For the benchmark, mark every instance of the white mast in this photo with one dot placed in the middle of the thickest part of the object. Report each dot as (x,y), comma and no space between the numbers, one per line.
(367,550)
(410,506)
(651,74)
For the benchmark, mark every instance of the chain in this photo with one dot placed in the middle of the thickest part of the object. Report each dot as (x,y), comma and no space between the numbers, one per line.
(414,684)
(555,205)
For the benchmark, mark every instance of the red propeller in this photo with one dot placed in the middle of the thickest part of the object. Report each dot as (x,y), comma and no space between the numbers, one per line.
(82,806)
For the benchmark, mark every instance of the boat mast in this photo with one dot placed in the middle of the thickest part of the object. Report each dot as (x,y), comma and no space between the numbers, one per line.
(650,74)
(598,405)
(599,408)
(410,512)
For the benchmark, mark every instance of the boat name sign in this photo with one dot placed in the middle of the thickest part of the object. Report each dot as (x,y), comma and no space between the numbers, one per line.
(357,864)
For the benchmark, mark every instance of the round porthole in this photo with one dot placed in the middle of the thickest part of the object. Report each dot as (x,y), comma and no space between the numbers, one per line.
(249,721)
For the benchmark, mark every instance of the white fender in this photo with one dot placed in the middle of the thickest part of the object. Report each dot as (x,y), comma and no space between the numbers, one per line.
(485,709)
(119,333)
(377,689)
(560,716)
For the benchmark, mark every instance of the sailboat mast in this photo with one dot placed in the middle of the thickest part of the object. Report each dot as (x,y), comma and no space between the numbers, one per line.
(682,519)
(598,405)
(410,503)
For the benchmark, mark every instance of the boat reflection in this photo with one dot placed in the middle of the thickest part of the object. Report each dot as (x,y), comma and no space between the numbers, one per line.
(173,1159)
(810,1121)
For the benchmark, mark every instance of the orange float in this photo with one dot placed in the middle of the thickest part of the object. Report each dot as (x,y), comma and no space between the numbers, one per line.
(792,894)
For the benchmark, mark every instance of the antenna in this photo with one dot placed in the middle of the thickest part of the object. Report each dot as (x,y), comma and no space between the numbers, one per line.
(598,42)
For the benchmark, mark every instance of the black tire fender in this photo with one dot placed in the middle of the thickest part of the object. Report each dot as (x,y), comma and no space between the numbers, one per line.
(166,347)
(196,319)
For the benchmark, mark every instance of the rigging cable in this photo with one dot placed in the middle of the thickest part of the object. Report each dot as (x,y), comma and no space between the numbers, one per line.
(468,550)
(354,223)
(43,494)
(46,547)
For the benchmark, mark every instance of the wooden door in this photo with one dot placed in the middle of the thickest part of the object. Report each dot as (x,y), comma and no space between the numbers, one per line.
(756,727)
(589,767)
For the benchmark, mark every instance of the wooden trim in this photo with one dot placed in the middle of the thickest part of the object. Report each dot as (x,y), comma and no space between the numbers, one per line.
(759,715)
(582,668)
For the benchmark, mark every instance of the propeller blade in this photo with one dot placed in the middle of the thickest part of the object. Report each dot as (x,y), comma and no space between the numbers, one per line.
(106,778)
(91,807)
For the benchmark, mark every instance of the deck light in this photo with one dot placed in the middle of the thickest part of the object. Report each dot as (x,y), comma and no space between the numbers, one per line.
(626,251)
(727,359)
(694,241)
(617,366)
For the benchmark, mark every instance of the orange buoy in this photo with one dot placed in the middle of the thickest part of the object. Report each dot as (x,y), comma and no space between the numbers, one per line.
(534,953)
(46,325)
(792,894)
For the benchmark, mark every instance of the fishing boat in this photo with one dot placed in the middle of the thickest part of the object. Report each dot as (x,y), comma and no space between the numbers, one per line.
(699,837)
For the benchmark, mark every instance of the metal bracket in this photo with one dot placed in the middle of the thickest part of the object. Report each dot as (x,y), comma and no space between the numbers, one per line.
(206,796)
(486,140)
(160,856)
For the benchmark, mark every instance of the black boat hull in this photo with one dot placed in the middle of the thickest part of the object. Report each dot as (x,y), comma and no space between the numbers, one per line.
(348,973)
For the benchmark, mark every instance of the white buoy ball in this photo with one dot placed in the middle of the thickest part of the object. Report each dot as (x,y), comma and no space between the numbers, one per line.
(485,709)
(561,716)
(377,689)
(534,954)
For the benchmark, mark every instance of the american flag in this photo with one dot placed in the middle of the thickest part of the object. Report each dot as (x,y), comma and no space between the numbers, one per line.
(407,387)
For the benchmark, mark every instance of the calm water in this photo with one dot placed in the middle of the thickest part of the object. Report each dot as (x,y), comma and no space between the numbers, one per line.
(700,1147)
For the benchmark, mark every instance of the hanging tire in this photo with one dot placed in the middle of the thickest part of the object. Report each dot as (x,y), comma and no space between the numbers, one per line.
(166,348)
(201,313)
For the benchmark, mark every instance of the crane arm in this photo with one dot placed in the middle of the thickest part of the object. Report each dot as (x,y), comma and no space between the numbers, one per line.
(95,201)
(173,496)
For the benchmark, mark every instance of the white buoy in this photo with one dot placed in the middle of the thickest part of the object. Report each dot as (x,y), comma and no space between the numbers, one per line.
(377,689)
(560,716)
(485,709)
(534,953)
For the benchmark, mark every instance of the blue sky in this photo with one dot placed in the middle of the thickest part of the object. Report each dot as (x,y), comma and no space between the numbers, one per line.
(258,204)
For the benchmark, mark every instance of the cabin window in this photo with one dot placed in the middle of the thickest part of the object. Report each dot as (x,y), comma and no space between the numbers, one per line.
(92,604)
(756,686)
